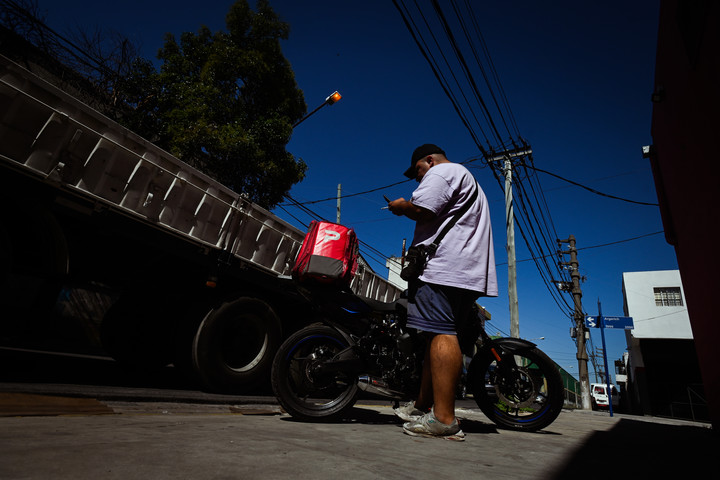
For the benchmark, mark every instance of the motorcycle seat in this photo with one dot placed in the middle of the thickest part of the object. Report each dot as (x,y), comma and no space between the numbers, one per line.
(381,306)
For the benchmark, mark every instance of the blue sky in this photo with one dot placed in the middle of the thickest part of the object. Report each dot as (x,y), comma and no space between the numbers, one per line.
(577,76)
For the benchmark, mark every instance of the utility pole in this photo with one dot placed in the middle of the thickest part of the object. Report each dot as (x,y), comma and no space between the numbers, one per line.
(512,271)
(599,372)
(507,158)
(339,194)
(579,317)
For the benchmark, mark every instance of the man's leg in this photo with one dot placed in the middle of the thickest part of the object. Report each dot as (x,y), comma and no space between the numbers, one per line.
(445,364)
(425,398)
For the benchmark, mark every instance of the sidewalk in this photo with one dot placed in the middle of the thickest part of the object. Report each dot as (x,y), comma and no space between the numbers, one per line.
(163,440)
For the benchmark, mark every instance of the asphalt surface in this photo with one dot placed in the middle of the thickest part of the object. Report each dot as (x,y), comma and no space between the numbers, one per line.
(82,417)
(83,432)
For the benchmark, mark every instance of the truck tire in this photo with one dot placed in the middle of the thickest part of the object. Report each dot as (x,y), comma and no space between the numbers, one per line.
(235,344)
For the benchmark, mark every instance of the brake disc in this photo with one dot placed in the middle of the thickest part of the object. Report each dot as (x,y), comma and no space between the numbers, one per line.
(518,393)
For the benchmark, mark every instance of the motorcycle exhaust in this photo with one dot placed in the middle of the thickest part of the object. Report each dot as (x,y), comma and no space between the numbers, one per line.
(377,386)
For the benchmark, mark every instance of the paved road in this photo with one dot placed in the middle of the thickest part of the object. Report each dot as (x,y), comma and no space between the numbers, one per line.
(201,437)
(82,418)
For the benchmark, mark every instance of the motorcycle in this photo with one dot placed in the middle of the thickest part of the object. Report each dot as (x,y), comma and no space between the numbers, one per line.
(360,344)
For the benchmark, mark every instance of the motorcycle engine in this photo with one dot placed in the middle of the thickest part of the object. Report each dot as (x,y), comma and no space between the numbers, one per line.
(393,352)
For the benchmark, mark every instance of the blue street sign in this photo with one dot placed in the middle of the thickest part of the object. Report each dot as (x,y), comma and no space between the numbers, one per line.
(592,321)
(618,322)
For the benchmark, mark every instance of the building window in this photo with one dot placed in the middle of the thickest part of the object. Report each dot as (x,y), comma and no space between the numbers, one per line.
(668,297)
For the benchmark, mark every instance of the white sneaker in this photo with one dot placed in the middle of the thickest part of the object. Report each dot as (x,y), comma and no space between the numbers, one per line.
(429,426)
(408,412)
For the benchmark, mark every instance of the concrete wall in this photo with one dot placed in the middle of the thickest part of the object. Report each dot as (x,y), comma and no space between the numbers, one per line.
(653,321)
(662,364)
(685,166)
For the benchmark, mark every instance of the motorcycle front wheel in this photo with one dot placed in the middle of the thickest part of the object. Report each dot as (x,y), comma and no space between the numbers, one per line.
(306,390)
(525,393)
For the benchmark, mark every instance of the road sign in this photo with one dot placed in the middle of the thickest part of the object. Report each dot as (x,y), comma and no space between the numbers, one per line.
(618,322)
(592,321)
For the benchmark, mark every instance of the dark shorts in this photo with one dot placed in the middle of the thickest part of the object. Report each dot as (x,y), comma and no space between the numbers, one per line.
(435,308)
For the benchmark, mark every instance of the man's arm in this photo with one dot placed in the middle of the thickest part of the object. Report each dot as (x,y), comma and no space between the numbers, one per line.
(402,207)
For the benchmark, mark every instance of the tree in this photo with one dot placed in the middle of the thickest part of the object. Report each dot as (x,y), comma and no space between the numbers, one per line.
(224,102)
(86,63)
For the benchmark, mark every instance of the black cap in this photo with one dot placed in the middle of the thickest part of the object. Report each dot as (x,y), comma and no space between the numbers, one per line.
(421,152)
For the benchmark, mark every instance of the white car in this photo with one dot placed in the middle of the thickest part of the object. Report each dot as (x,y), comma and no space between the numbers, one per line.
(599,396)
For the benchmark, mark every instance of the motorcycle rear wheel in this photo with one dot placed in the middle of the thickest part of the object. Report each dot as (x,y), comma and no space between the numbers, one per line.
(528,398)
(304,391)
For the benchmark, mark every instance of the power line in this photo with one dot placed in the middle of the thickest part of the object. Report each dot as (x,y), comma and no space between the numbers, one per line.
(594,246)
(417,35)
(621,241)
(310,202)
(532,215)
(466,69)
(54,39)
(534,223)
(536,193)
(591,189)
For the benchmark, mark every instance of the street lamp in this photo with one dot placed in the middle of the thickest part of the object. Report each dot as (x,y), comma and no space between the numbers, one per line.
(334,97)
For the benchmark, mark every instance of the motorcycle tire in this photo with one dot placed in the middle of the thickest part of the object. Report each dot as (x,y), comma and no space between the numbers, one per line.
(529,398)
(302,389)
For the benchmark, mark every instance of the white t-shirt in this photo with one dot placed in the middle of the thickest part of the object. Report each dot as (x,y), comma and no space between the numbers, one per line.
(465,258)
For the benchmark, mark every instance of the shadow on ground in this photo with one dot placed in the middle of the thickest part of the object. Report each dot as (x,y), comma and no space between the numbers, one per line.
(372,416)
(639,449)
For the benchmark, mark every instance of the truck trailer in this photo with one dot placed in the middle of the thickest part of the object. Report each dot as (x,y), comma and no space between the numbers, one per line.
(197,275)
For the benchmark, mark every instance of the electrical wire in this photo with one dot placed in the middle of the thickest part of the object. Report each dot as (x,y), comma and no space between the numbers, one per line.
(53,39)
(348,195)
(616,242)
(416,34)
(621,241)
(592,189)
(532,215)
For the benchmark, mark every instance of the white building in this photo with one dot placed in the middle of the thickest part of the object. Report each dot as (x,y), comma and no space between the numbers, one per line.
(656,300)
(394,265)
(663,376)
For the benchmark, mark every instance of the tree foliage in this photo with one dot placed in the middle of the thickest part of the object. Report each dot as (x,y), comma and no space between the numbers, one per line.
(224,102)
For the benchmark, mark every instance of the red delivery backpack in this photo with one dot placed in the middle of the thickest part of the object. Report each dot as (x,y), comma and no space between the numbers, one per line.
(328,254)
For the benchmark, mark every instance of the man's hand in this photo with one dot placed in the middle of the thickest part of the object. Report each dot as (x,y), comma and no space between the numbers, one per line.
(397,207)
(402,207)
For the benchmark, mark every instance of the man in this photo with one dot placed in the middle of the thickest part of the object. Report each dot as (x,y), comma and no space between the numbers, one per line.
(461,270)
